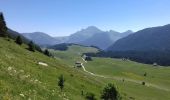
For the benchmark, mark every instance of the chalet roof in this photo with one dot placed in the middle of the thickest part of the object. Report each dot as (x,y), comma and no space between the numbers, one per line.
(78,62)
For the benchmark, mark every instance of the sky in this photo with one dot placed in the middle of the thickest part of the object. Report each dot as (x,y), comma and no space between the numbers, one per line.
(64,17)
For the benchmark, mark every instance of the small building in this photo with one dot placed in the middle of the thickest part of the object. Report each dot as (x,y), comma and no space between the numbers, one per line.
(155,64)
(78,64)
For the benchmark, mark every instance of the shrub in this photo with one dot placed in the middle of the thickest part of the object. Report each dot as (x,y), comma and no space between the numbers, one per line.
(47,53)
(61,82)
(18,40)
(145,74)
(143,83)
(90,96)
(31,46)
(110,93)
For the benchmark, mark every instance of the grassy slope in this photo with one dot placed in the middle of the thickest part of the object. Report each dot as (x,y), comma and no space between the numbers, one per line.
(73,53)
(117,67)
(20,74)
(159,76)
(126,69)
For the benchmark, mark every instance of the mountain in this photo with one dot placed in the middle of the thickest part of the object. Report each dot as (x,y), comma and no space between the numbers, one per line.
(13,34)
(83,34)
(62,39)
(105,39)
(150,45)
(155,38)
(41,38)
(92,36)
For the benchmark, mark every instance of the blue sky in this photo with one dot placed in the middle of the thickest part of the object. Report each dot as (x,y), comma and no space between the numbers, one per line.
(64,17)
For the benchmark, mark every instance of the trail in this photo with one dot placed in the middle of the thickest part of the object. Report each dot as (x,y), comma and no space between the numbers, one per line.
(126,79)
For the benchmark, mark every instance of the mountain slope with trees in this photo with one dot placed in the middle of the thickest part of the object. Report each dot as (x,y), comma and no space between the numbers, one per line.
(149,45)
(155,38)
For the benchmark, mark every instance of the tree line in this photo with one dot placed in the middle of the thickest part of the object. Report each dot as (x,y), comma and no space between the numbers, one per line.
(148,57)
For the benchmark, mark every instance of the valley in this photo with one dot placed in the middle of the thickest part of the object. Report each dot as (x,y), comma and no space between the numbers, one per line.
(84,50)
(124,73)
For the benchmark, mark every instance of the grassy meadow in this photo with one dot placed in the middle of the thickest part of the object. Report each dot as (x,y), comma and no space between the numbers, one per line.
(127,75)
(22,78)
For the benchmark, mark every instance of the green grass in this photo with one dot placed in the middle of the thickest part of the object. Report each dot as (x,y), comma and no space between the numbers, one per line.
(20,75)
(73,53)
(158,76)
(129,69)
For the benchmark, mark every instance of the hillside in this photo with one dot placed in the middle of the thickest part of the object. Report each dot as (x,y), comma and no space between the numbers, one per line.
(21,77)
(14,34)
(41,39)
(155,38)
(149,46)
(128,75)
(157,85)
(72,53)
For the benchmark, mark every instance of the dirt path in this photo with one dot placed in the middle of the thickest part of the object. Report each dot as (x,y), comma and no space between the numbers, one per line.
(126,79)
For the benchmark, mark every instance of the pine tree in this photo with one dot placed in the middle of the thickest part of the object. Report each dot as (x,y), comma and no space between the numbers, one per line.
(3,27)
(19,40)
(61,82)
(31,46)
(46,52)
(38,48)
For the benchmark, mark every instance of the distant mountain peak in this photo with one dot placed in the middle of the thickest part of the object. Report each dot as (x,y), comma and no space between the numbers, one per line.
(128,31)
(112,31)
(92,28)
(40,33)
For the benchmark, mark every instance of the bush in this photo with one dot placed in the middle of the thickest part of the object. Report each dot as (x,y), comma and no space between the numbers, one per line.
(110,93)
(145,74)
(38,48)
(90,96)
(61,82)
(47,53)
(18,40)
(31,46)
(143,83)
